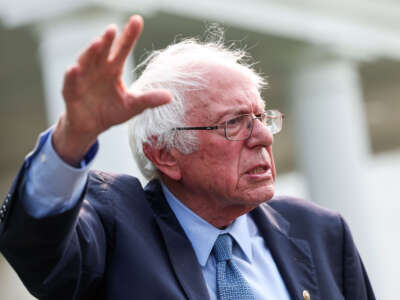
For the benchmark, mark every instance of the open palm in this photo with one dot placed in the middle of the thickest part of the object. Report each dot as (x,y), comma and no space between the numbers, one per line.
(95,96)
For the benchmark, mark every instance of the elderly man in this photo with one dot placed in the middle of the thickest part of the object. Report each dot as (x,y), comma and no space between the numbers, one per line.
(205,226)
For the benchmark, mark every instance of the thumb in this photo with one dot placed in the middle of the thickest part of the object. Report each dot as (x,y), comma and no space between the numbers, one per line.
(150,99)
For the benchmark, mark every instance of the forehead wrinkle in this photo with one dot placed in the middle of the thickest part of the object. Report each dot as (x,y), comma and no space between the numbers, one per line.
(208,106)
(204,104)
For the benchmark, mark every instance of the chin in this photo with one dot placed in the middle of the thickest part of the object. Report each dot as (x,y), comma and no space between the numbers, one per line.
(258,196)
(265,193)
(255,193)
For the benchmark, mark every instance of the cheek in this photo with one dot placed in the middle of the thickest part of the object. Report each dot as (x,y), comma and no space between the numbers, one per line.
(217,152)
(221,163)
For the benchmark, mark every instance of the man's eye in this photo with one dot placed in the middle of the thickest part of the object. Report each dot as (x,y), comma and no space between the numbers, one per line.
(234,121)
(260,115)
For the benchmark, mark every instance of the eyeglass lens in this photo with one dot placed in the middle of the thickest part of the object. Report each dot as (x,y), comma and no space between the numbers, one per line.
(240,128)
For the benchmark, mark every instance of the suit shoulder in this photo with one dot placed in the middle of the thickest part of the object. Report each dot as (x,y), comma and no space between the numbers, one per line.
(309,220)
(109,189)
(297,209)
(105,181)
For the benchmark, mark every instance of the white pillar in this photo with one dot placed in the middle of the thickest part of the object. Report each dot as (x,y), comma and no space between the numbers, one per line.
(61,42)
(332,145)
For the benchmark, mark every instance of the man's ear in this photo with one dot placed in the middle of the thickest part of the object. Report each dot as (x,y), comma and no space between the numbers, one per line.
(164,161)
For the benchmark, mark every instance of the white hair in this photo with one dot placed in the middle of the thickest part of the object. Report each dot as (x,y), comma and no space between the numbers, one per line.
(179,68)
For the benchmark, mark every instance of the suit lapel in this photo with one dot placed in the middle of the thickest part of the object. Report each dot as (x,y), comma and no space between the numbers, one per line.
(179,248)
(292,256)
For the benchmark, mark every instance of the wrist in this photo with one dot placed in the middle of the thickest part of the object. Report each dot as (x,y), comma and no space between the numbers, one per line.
(71,144)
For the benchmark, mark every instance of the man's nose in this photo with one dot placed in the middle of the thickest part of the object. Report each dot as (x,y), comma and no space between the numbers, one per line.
(260,136)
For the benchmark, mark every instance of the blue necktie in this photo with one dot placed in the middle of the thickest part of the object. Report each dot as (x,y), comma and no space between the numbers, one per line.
(230,282)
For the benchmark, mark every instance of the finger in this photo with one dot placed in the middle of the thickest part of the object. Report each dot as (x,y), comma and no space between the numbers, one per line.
(124,44)
(107,41)
(70,87)
(88,57)
(137,104)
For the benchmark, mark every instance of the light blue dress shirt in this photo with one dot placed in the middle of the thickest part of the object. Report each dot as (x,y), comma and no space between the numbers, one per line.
(53,186)
(250,252)
(51,182)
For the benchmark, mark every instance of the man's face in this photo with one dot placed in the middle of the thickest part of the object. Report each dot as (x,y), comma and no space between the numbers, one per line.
(223,173)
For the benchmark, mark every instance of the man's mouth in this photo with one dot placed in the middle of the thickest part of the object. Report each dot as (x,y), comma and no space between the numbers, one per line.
(257,170)
(260,170)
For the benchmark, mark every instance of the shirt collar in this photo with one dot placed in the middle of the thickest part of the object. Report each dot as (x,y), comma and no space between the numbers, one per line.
(202,234)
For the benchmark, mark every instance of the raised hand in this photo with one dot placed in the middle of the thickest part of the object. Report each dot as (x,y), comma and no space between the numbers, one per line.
(95,96)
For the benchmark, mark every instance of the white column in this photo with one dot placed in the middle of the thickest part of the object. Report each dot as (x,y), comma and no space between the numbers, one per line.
(332,147)
(61,42)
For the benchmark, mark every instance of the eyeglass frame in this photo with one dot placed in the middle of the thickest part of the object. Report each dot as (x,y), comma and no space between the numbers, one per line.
(224,125)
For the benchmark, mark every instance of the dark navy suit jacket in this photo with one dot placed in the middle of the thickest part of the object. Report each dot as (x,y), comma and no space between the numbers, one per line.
(123,242)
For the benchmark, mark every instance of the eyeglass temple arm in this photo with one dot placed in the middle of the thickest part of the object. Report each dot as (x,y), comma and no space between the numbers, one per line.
(217,126)
(196,128)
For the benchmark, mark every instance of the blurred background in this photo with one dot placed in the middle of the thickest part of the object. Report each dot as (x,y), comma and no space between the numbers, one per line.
(333,69)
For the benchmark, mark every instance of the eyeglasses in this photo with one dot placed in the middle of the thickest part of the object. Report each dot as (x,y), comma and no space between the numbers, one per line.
(240,128)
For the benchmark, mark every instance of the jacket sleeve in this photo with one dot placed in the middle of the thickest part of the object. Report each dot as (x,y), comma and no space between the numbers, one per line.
(61,256)
(356,281)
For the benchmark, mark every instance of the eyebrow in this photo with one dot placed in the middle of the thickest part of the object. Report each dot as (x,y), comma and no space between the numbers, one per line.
(234,111)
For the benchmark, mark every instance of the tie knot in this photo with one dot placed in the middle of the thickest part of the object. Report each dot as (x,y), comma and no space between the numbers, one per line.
(223,247)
